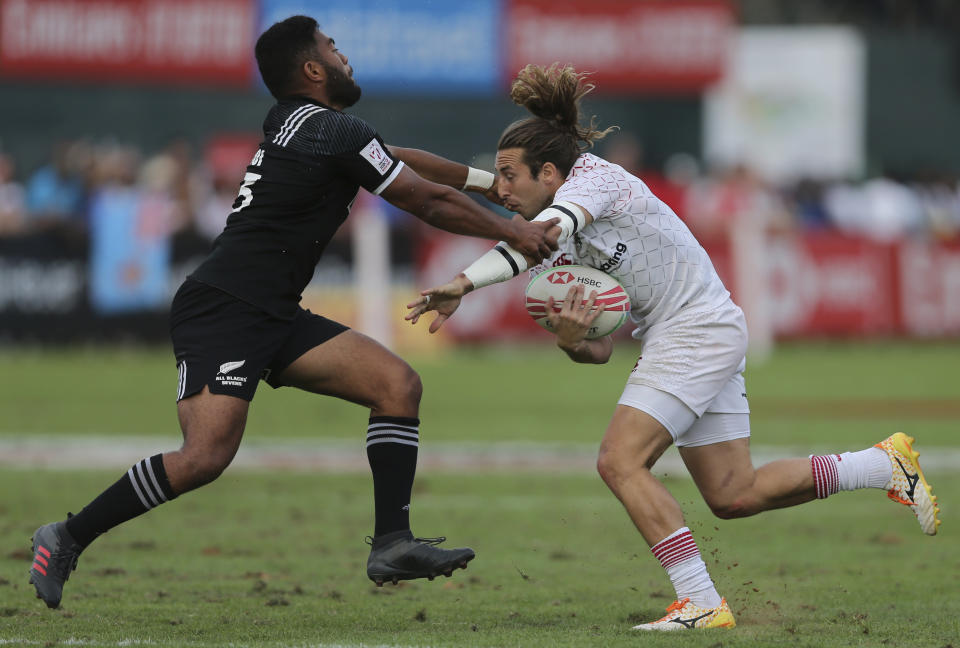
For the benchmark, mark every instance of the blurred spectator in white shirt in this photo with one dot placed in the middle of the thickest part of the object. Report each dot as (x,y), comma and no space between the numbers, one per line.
(881,209)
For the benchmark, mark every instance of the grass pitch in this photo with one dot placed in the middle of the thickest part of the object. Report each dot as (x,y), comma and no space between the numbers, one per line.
(265,558)
(806,394)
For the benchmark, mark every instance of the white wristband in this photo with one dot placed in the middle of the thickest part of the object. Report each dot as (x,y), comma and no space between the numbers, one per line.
(572,218)
(478,178)
(499,264)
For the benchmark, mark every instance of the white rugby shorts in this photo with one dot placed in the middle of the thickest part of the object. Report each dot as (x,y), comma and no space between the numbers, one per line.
(690,376)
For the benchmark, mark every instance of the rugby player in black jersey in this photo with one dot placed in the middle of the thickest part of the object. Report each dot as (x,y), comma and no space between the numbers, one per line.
(237,318)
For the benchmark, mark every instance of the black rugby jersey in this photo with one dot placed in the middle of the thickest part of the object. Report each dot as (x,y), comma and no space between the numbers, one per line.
(297,191)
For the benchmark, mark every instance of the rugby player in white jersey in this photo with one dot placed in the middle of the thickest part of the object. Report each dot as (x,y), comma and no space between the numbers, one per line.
(687,388)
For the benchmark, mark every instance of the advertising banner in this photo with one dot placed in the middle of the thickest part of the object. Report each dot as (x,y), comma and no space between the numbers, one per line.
(817,285)
(808,123)
(660,45)
(930,288)
(130,250)
(142,41)
(408,46)
(822,285)
(52,288)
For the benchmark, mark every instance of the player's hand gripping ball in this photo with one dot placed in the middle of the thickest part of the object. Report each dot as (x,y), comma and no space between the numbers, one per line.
(556,282)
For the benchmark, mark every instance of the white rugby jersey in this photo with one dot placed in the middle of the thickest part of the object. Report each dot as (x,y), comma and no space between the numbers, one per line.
(636,238)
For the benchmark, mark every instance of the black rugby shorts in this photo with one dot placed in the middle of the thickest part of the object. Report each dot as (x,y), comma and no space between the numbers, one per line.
(228,345)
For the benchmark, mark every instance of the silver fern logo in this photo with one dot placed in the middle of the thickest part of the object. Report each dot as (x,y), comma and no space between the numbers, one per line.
(227,367)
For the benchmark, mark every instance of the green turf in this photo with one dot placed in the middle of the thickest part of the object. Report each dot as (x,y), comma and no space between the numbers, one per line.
(806,394)
(276,559)
(265,559)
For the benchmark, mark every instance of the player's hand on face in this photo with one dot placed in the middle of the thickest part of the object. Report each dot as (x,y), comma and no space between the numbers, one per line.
(575,317)
(534,238)
(443,299)
(493,194)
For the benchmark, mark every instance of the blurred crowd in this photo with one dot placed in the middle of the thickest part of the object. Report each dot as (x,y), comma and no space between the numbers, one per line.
(179,190)
(189,193)
(714,199)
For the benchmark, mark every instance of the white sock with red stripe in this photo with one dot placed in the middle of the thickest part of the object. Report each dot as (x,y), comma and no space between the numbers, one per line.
(679,555)
(868,468)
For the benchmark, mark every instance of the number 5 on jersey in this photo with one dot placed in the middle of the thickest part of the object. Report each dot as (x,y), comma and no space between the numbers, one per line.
(245,195)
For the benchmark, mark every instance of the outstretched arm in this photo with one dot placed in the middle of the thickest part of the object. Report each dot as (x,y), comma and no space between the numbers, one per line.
(503,262)
(450,210)
(438,169)
(499,264)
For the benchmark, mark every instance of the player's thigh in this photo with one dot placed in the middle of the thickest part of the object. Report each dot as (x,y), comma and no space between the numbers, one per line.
(634,439)
(212,422)
(355,368)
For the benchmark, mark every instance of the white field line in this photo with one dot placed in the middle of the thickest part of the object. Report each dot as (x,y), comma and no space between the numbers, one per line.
(85,452)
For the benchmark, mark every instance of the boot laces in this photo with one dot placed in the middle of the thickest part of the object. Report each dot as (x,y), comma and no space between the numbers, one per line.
(431,541)
(675,607)
(64,559)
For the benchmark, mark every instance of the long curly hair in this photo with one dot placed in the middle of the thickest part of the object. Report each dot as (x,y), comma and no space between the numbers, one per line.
(554,134)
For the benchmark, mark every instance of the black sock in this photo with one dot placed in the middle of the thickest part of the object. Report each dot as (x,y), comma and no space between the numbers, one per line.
(392,443)
(143,487)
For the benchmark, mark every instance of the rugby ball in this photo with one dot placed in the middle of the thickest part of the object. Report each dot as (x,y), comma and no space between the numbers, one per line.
(556,282)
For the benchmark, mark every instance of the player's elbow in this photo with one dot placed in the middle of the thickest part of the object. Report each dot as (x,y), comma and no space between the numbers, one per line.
(603,350)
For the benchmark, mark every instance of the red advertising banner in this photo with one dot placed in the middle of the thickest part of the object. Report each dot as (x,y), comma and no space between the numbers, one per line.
(823,284)
(930,288)
(658,45)
(818,285)
(179,41)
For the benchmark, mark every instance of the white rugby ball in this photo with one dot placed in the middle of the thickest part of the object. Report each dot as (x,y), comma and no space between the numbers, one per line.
(556,282)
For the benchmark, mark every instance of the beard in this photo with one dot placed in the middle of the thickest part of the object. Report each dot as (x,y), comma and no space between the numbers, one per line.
(341,89)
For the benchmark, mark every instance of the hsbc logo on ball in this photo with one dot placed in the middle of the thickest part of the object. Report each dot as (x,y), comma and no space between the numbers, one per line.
(560,277)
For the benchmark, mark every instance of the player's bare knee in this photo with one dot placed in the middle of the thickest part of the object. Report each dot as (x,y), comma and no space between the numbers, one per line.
(414,387)
(729,509)
(401,392)
(607,471)
(202,468)
(203,461)
(614,468)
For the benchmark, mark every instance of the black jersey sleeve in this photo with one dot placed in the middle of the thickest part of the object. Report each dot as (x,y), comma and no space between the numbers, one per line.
(359,151)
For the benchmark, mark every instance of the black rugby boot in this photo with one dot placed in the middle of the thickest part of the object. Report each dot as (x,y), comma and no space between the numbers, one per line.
(55,555)
(399,556)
